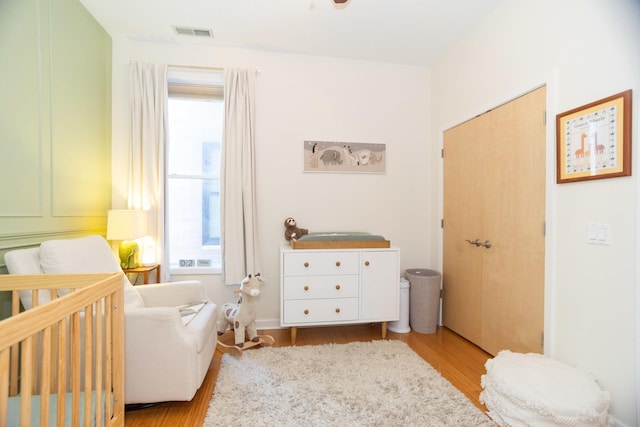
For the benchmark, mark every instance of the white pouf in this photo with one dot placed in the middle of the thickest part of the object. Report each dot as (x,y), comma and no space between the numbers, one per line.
(533,389)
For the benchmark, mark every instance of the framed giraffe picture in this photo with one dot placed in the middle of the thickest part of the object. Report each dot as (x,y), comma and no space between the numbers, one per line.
(346,157)
(594,141)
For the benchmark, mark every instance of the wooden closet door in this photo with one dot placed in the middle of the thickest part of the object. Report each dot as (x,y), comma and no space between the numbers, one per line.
(462,262)
(511,182)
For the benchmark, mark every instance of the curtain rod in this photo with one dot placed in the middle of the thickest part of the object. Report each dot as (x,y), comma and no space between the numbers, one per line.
(199,67)
(196,67)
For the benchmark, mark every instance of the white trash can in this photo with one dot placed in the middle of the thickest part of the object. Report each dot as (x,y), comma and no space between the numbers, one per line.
(401,326)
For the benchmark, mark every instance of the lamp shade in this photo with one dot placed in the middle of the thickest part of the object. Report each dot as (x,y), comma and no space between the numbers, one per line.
(127,224)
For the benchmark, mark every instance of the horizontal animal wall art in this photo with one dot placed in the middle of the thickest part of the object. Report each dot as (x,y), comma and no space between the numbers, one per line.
(325,156)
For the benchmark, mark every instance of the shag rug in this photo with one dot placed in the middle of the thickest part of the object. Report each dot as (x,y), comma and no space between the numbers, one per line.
(377,383)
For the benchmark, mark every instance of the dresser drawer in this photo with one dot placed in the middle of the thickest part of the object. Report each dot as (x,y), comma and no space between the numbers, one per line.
(305,263)
(299,312)
(315,287)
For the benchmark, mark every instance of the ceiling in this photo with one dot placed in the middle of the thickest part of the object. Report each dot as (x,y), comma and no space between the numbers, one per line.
(414,32)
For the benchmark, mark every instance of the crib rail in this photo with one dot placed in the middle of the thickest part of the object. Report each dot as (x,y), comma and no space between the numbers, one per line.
(63,361)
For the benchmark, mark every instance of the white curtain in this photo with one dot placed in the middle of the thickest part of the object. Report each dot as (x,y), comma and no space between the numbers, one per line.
(149,100)
(240,255)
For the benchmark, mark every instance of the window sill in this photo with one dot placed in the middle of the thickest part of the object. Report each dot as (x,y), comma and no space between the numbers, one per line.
(194,271)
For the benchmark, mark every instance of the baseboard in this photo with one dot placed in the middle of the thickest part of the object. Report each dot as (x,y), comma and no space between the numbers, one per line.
(617,423)
(262,324)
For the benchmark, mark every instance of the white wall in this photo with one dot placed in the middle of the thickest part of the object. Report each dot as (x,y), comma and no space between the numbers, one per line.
(584,50)
(311,98)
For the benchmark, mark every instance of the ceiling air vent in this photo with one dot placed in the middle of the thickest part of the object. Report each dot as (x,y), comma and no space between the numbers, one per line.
(190,31)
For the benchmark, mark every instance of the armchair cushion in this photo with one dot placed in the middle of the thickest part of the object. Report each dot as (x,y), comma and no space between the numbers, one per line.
(88,254)
(26,261)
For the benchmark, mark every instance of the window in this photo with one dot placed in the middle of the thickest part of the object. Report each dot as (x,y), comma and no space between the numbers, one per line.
(196,111)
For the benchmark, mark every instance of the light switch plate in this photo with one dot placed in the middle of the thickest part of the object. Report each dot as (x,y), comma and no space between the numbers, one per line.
(599,234)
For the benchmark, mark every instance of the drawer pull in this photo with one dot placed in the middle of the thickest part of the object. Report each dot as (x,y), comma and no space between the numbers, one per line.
(366,263)
(338,287)
(306,264)
(306,287)
(306,311)
(337,263)
(338,310)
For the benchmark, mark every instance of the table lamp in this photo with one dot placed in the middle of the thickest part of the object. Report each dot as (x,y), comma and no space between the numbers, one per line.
(127,225)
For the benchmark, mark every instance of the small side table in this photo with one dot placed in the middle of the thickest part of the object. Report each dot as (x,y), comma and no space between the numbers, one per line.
(145,269)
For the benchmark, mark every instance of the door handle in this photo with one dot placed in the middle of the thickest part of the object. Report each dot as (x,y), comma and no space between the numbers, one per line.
(478,243)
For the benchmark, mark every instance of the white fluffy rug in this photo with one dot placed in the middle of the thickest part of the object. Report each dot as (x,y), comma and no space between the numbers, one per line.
(378,383)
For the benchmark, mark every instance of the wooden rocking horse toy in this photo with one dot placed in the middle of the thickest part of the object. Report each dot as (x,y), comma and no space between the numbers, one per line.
(241,317)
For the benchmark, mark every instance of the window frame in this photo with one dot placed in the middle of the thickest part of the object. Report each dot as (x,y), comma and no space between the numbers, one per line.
(189,85)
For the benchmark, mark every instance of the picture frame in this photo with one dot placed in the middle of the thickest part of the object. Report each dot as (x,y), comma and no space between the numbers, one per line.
(344,157)
(594,141)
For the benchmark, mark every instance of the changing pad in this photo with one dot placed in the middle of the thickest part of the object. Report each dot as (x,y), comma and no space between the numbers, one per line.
(340,240)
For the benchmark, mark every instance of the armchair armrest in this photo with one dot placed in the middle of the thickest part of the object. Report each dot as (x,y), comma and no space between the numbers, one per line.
(172,294)
(159,351)
(157,324)
(156,329)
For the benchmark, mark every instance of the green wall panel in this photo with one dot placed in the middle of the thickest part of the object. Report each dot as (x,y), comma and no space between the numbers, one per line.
(55,122)
(20,109)
(81,70)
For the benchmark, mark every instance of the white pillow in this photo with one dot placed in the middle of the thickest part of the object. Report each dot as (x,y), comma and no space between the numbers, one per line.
(90,254)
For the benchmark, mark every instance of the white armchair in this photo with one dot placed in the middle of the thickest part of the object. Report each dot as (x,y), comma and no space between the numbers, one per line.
(165,360)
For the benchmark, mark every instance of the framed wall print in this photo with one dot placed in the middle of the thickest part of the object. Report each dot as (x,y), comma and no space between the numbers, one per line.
(594,141)
(346,157)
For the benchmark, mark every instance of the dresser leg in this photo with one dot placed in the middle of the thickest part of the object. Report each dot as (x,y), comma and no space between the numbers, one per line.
(384,330)
(294,334)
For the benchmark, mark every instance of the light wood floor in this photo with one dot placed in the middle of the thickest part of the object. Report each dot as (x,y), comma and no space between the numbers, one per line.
(459,361)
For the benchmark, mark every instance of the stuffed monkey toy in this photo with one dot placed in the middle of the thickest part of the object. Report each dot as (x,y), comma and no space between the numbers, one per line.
(292,232)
